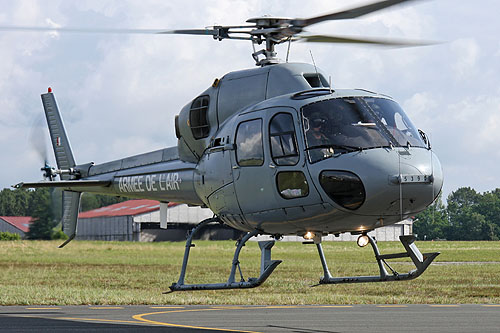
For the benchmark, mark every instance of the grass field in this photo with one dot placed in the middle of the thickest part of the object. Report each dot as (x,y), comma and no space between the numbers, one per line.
(37,272)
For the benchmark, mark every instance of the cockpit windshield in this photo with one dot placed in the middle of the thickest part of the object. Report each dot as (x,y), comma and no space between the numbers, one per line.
(344,125)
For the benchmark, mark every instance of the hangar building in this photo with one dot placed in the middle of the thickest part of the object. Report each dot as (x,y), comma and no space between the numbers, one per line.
(139,220)
(15,224)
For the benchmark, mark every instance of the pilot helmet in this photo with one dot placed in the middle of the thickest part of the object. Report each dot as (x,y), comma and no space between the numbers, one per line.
(317,120)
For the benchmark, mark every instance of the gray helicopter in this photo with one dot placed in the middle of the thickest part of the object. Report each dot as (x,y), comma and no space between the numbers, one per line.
(273,150)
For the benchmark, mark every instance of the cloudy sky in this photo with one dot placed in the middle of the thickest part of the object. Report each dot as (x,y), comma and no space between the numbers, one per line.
(119,93)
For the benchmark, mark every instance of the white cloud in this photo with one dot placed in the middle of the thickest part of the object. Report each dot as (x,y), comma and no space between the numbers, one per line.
(466,53)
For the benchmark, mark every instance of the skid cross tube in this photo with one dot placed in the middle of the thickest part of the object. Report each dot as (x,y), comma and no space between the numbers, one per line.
(421,261)
(266,268)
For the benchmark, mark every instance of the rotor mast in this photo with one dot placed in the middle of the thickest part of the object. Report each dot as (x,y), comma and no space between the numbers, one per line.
(269,29)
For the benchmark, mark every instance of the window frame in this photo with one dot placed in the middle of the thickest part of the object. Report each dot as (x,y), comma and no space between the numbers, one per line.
(261,143)
(280,138)
(307,192)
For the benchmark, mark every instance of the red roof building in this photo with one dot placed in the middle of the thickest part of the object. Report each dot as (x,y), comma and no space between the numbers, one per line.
(15,224)
(139,220)
(131,207)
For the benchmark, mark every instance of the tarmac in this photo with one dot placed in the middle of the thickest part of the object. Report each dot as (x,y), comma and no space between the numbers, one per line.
(296,319)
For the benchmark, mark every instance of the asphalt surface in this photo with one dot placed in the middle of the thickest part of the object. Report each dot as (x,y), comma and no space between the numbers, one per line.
(296,319)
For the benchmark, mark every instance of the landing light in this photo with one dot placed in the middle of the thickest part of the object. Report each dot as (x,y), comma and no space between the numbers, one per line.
(363,240)
(309,235)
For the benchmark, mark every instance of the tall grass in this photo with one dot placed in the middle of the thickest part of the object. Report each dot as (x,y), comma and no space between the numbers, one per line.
(37,272)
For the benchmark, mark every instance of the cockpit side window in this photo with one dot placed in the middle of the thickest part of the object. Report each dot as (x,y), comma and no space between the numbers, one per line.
(198,117)
(351,124)
(396,121)
(283,140)
(249,148)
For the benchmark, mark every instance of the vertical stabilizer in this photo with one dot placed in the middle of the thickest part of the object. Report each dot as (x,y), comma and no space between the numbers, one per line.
(71,206)
(65,161)
(59,139)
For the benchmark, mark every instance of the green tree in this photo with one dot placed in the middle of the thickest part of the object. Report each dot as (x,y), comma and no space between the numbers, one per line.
(43,216)
(432,223)
(14,202)
(489,207)
(470,215)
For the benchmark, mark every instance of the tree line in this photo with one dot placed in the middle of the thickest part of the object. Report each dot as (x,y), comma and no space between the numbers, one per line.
(468,215)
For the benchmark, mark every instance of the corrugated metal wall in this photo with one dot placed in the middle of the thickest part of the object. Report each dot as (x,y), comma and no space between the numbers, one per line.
(113,228)
(7,227)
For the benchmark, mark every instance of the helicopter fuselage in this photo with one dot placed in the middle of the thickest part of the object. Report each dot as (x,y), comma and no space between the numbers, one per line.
(309,159)
(259,167)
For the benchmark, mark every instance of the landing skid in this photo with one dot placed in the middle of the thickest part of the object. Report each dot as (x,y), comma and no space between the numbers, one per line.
(266,268)
(421,261)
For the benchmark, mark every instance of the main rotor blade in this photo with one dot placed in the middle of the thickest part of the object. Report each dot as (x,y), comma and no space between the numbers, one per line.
(219,31)
(372,41)
(349,13)
(210,32)
(85,30)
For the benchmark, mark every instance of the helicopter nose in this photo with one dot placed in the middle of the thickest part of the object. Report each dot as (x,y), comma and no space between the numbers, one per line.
(417,183)
(384,182)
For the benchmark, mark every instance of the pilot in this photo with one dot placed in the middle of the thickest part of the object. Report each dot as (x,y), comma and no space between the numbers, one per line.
(316,134)
(316,137)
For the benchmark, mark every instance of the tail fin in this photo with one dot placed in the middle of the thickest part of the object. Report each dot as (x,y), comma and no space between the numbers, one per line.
(65,161)
(71,206)
(59,139)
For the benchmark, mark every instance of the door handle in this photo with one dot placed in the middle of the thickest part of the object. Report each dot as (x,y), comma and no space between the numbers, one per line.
(272,166)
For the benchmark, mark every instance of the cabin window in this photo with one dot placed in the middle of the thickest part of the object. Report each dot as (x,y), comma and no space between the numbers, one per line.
(249,149)
(283,142)
(292,184)
(198,117)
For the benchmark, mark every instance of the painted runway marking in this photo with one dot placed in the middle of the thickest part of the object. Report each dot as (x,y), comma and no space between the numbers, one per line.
(106,308)
(392,306)
(491,305)
(334,306)
(444,305)
(141,317)
(51,308)
(100,320)
(166,307)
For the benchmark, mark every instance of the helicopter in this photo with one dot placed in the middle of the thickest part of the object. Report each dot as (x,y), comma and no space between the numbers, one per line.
(274,150)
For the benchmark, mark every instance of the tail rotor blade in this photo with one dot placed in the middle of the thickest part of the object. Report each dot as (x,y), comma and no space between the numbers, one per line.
(38,139)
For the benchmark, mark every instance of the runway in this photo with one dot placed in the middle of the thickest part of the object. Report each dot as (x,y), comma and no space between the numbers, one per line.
(301,319)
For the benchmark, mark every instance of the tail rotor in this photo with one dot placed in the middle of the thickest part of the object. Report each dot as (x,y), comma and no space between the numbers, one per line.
(38,138)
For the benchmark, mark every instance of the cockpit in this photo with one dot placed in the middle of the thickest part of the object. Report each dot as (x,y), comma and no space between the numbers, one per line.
(342,125)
